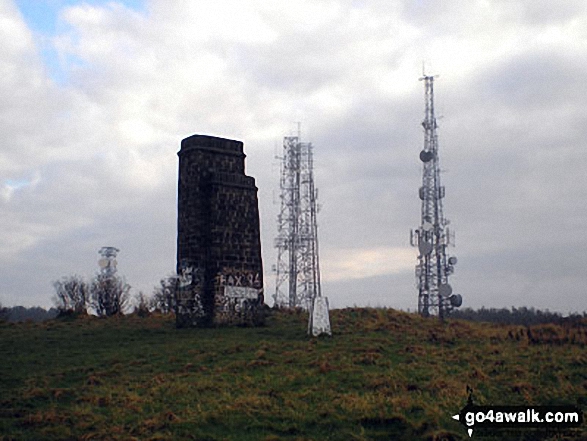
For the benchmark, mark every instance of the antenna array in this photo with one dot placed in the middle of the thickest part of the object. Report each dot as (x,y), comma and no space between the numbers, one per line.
(108,261)
(433,236)
(297,270)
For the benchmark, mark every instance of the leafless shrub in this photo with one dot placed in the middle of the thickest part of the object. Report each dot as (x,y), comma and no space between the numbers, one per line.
(163,299)
(72,295)
(109,295)
(142,304)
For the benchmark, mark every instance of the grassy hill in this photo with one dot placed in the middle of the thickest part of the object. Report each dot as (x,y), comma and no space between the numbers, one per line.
(384,375)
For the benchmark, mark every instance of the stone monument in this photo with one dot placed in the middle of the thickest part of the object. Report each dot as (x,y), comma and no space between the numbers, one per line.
(218,238)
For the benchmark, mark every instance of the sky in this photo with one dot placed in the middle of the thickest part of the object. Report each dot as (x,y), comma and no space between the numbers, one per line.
(97,96)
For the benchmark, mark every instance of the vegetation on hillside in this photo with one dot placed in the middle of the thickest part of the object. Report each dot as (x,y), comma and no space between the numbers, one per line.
(22,314)
(383,375)
(516,316)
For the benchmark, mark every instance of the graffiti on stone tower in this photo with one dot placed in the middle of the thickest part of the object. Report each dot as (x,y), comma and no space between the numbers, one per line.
(218,242)
(238,291)
(188,301)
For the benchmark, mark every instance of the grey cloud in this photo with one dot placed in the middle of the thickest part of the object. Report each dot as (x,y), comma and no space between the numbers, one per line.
(546,77)
(105,145)
(546,276)
(542,12)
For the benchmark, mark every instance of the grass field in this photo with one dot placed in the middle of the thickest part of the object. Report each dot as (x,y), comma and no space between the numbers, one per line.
(384,375)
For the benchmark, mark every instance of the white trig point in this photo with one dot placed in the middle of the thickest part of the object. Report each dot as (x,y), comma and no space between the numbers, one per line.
(319,317)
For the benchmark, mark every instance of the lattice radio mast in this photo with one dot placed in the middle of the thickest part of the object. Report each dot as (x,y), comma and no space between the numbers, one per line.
(108,261)
(432,238)
(297,270)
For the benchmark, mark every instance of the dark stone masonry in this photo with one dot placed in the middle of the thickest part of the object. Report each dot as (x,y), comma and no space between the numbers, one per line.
(218,242)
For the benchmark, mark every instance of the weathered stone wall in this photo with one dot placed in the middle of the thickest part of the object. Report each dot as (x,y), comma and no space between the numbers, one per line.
(218,241)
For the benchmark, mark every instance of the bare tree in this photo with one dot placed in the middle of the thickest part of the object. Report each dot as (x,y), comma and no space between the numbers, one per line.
(72,295)
(164,295)
(109,295)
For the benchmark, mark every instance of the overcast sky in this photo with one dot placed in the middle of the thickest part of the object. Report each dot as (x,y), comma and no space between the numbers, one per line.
(96,97)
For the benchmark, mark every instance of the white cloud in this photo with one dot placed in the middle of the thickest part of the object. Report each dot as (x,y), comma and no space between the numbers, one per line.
(362,263)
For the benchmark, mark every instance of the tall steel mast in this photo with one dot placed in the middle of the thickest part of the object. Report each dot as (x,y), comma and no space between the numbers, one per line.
(432,238)
(297,270)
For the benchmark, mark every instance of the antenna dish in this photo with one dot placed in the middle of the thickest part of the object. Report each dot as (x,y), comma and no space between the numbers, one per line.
(425,248)
(103,263)
(426,156)
(427,226)
(444,289)
(452,260)
(456,300)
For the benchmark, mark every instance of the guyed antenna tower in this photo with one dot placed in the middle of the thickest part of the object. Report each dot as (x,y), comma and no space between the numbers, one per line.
(297,281)
(435,296)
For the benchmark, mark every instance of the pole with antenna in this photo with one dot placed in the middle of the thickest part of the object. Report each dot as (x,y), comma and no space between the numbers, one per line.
(298,267)
(432,238)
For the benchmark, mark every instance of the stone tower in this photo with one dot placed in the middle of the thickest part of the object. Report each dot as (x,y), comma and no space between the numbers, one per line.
(218,242)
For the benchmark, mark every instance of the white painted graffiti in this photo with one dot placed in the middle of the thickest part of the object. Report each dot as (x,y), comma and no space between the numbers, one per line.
(240,292)
(189,276)
(243,279)
(240,289)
